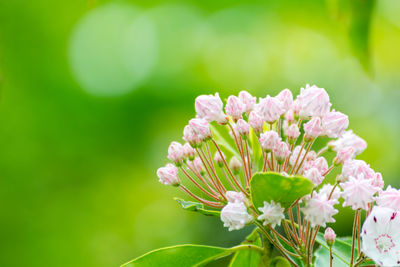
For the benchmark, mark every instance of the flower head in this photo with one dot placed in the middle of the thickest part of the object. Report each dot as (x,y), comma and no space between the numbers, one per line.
(319,210)
(286,97)
(334,124)
(272,213)
(281,151)
(270,109)
(201,128)
(176,153)
(314,176)
(190,136)
(292,131)
(329,236)
(358,192)
(389,198)
(313,101)
(344,155)
(234,196)
(256,121)
(168,175)
(235,216)
(269,139)
(349,139)
(234,107)
(313,129)
(248,101)
(188,151)
(242,127)
(356,167)
(209,107)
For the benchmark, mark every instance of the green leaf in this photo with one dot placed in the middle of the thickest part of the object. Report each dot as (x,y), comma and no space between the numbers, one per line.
(279,262)
(274,186)
(222,141)
(256,148)
(195,206)
(248,257)
(182,255)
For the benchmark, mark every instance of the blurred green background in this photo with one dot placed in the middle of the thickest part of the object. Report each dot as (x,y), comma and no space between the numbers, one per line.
(92,92)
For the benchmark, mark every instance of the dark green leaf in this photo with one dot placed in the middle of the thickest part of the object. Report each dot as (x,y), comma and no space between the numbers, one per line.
(195,206)
(274,186)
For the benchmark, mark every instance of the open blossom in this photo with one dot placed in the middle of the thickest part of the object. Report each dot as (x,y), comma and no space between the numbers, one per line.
(256,121)
(356,167)
(270,109)
(269,139)
(286,98)
(248,101)
(209,107)
(235,216)
(344,155)
(334,124)
(190,136)
(242,127)
(234,107)
(201,127)
(175,153)
(188,151)
(314,176)
(233,196)
(349,139)
(381,237)
(313,101)
(313,128)
(292,131)
(168,175)
(389,198)
(272,213)
(281,151)
(358,192)
(319,210)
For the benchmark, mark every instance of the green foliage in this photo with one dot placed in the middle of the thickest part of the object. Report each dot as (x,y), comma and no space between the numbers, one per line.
(274,186)
(279,262)
(198,207)
(248,257)
(221,138)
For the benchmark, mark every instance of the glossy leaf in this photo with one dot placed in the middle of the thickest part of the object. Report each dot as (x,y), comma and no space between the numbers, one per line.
(198,207)
(274,186)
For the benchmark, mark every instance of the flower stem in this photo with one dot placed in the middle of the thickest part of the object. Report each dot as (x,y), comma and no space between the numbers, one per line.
(354,237)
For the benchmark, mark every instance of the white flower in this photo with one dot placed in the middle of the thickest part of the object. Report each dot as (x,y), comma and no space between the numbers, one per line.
(270,108)
(234,196)
(327,190)
(247,100)
(286,97)
(334,124)
(234,107)
(314,176)
(271,213)
(209,107)
(381,236)
(389,198)
(168,175)
(358,192)
(235,216)
(349,139)
(319,210)
(313,101)
(355,167)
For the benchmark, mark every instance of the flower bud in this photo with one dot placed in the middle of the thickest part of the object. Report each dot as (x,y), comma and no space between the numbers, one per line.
(235,216)
(243,128)
(233,196)
(201,128)
(197,165)
(256,122)
(286,98)
(296,107)
(313,101)
(248,101)
(378,180)
(334,124)
(268,140)
(168,175)
(234,107)
(218,159)
(314,176)
(329,236)
(190,136)
(235,165)
(270,109)
(312,129)
(344,155)
(292,132)
(349,139)
(289,116)
(175,153)
(281,151)
(209,107)
(188,151)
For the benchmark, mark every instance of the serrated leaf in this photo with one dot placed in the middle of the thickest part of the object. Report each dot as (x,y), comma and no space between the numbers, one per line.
(196,206)
(269,186)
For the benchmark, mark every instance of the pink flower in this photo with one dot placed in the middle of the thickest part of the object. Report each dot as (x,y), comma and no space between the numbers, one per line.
(188,151)
(313,129)
(349,139)
(201,127)
(168,175)
(197,166)
(234,107)
(175,153)
(233,196)
(292,131)
(355,167)
(313,101)
(344,155)
(256,122)
(270,109)
(281,151)
(358,192)
(329,236)
(209,107)
(378,180)
(334,124)
(248,101)
(286,97)
(314,176)
(190,136)
(269,139)
(243,127)
(289,116)
(319,163)
(319,210)
(389,198)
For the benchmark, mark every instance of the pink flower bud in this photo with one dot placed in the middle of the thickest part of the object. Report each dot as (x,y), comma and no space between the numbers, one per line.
(188,151)
(349,139)
(175,153)
(389,198)
(197,165)
(233,196)
(314,176)
(201,128)
(319,163)
(209,107)
(168,175)
(296,107)
(235,165)
(270,109)
(190,136)
(313,101)
(289,116)
(344,155)
(234,107)
(354,167)
(378,182)
(218,159)
(292,131)
(330,236)
(268,140)
(248,101)
(281,151)
(312,129)
(286,98)
(334,124)
(256,122)
(243,127)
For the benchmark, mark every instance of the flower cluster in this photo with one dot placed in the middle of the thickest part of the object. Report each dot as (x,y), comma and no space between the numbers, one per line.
(284,130)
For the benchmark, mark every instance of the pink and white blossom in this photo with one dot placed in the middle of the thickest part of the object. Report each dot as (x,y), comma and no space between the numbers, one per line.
(355,167)
(234,107)
(329,236)
(270,109)
(235,165)
(349,139)
(272,213)
(286,98)
(268,140)
(201,127)
(292,131)
(190,136)
(281,151)
(209,107)
(218,159)
(334,124)
(256,121)
(233,196)
(235,216)
(389,198)
(319,210)
(313,101)
(242,127)
(313,129)
(378,180)
(168,175)
(358,192)
(314,176)
(248,101)
(175,153)
(344,155)
(188,151)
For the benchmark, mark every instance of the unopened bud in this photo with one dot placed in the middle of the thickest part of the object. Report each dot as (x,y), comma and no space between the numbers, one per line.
(344,155)
(188,151)
(329,236)
(235,165)
(175,153)
(218,159)
(243,128)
